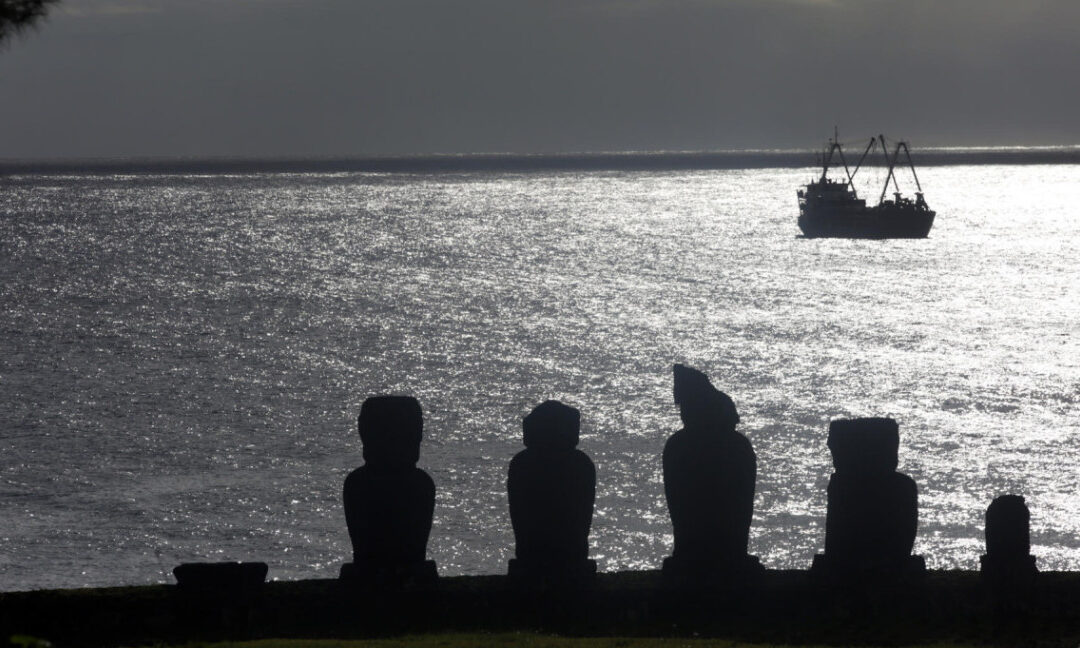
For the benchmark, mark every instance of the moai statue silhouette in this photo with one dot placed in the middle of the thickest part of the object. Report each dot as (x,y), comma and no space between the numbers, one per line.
(709,477)
(551,488)
(1008,560)
(389,502)
(873,510)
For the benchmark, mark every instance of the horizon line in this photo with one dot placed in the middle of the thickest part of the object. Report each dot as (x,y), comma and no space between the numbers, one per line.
(492,161)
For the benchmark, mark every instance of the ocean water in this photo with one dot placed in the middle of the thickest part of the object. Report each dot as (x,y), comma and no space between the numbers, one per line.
(183,356)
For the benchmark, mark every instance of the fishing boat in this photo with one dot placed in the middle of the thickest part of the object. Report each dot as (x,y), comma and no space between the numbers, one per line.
(832,208)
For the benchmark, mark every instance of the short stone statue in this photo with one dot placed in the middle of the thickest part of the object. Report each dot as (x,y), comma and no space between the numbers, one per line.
(551,488)
(1008,558)
(709,478)
(389,502)
(873,510)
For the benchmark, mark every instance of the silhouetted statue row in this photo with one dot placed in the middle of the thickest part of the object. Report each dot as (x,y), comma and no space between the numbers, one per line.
(709,477)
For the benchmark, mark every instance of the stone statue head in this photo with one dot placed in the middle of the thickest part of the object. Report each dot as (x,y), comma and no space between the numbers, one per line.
(700,404)
(390,429)
(553,426)
(864,445)
(1008,527)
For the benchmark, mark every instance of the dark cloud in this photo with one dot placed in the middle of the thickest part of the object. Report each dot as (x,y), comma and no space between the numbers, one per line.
(352,77)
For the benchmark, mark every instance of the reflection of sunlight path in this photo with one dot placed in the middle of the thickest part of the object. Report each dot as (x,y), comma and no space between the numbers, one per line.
(196,348)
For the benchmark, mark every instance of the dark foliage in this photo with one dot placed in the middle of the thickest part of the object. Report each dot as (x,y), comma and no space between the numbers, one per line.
(16,15)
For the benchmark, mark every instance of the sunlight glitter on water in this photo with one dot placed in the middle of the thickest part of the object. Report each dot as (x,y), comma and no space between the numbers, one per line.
(186,355)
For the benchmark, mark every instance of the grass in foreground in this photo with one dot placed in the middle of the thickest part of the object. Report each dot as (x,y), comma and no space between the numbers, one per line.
(514,639)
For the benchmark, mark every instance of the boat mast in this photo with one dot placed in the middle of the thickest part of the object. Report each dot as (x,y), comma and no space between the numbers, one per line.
(895,183)
(850,175)
(834,145)
(828,161)
(873,141)
(892,165)
(911,164)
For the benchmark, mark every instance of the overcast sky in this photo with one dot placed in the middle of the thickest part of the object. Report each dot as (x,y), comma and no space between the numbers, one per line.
(106,78)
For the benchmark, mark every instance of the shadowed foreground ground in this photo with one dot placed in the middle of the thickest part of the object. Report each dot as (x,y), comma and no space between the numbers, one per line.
(518,640)
(788,607)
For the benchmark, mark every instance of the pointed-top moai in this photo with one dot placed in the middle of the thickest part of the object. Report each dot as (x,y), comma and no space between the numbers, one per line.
(1008,560)
(551,488)
(873,510)
(389,502)
(709,477)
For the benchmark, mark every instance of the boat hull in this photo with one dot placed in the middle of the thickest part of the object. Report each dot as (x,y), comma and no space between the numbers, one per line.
(866,223)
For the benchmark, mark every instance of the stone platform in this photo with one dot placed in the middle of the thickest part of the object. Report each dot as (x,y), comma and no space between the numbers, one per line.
(789,607)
